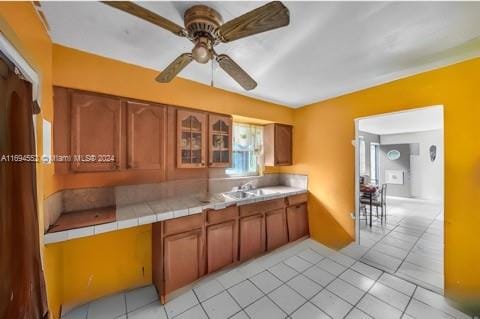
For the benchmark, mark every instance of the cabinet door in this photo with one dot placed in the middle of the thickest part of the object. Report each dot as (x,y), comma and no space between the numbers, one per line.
(277,234)
(222,243)
(182,259)
(283,144)
(191,139)
(252,236)
(297,219)
(96,130)
(219,140)
(277,144)
(145,136)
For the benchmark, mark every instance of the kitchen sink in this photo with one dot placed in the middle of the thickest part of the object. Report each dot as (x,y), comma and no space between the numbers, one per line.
(261,192)
(238,195)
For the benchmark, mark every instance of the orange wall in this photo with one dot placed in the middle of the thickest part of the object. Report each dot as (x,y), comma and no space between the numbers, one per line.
(323,149)
(88,268)
(82,70)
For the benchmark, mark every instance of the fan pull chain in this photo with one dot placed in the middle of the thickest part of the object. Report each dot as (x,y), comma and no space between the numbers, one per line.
(211,82)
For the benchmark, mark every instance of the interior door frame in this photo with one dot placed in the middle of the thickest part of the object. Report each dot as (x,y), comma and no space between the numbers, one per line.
(9,50)
(356,144)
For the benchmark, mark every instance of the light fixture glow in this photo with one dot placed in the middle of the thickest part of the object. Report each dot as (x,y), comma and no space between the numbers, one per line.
(201,51)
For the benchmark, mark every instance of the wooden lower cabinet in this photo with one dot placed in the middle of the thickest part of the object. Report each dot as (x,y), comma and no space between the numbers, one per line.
(182,259)
(221,245)
(185,249)
(222,238)
(252,236)
(276,228)
(178,253)
(297,220)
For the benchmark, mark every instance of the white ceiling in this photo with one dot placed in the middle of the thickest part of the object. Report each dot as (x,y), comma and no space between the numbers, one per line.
(424,119)
(329,48)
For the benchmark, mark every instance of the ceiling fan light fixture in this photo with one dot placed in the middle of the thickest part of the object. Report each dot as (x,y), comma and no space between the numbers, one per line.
(201,51)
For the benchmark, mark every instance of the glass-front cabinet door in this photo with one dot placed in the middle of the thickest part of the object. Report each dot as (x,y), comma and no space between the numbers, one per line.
(220,140)
(191,139)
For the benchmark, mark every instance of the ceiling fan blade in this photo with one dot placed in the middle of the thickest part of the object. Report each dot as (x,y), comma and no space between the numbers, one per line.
(147,15)
(174,68)
(271,16)
(236,72)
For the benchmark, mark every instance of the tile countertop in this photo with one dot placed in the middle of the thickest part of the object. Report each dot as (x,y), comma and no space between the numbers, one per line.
(154,211)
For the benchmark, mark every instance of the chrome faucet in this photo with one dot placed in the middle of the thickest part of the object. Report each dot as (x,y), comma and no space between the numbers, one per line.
(247,186)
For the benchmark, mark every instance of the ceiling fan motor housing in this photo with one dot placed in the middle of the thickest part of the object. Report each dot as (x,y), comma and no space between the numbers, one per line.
(202,21)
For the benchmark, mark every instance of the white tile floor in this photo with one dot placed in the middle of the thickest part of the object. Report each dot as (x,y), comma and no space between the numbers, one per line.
(305,280)
(409,244)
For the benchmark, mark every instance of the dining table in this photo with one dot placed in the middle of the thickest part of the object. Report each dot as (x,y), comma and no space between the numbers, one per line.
(368,191)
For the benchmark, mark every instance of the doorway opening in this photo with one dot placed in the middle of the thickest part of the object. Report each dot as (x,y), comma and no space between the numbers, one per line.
(399,197)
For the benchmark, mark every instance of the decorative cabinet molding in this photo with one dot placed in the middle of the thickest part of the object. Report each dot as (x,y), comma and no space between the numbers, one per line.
(146,136)
(191,139)
(219,140)
(96,126)
(277,143)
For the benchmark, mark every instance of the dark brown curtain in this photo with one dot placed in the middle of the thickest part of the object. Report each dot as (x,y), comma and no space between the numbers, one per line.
(22,288)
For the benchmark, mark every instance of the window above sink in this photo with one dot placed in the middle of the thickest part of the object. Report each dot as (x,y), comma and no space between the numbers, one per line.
(247,153)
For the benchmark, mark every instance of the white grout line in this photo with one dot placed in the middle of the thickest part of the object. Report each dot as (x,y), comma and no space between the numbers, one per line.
(292,251)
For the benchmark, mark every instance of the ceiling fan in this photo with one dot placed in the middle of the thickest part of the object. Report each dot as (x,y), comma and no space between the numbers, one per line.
(205,28)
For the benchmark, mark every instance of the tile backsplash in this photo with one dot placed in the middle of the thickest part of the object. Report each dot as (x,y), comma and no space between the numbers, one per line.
(225,184)
(148,192)
(294,180)
(52,208)
(87,198)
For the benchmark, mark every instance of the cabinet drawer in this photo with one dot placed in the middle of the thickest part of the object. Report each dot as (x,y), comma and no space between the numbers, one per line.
(297,199)
(273,204)
(251,209)
(221,215)
(261,207)
(182,224)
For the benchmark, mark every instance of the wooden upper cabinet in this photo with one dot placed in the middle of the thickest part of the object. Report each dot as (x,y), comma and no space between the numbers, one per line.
(96,125)
(146,136)
(219,140)
(191,139)
(277,141)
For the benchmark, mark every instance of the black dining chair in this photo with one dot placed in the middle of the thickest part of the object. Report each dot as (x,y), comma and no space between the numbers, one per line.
(379,200)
